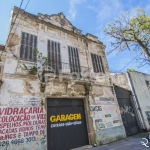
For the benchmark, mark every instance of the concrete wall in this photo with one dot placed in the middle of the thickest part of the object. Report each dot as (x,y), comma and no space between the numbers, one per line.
(142,93)
(120,80)
(21,90)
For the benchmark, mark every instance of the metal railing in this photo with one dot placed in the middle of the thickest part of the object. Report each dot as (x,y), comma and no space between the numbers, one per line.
(61,68)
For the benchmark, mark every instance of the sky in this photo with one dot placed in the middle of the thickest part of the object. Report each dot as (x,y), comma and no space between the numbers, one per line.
(90,16)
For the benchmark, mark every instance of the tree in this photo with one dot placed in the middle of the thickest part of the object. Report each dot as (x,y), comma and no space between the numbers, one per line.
(131,33)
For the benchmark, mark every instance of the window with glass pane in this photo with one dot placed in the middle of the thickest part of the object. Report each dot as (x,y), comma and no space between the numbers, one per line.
(97,63)
(54,56)
(74,59)
(28,45)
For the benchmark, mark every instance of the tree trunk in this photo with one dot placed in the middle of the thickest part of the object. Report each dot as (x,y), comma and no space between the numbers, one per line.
(145,49)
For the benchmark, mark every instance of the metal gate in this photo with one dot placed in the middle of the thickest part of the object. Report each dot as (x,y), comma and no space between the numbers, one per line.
(127,111)
(66,124)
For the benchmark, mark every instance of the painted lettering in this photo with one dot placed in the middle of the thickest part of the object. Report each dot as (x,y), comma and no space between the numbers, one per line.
(67,117)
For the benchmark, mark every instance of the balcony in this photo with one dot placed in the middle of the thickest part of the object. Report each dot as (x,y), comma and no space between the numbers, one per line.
(66,69)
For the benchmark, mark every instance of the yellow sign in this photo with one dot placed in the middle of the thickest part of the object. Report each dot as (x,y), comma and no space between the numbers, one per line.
(67,117)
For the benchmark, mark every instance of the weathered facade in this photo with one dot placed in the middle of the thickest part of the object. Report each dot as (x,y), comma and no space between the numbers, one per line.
(120,80)
(72,92)
(140,84)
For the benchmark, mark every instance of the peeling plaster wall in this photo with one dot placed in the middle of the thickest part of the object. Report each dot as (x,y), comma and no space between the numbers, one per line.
(19,128)
(20,89)
(110,135)
(120,80)
(105,115)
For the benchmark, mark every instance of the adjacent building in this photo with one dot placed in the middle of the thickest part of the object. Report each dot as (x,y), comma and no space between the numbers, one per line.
(133,95)
(56,91)
(140,86)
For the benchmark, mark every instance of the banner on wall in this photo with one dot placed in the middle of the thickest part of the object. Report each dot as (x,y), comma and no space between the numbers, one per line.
(21,125)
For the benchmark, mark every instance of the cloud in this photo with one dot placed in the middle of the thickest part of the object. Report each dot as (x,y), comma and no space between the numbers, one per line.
(108,10)
(105,12)
(72,9)
(147,9)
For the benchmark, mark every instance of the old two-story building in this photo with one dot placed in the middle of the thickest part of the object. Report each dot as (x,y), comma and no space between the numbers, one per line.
(56,92)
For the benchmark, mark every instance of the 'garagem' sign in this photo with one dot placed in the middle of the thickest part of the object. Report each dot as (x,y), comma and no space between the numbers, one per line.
(66,117)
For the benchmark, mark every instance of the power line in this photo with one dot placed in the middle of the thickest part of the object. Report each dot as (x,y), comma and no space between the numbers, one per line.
(14,23)
(26,5)
(19,20)
(15,19)
(18,14)
(128,63)
(12,27)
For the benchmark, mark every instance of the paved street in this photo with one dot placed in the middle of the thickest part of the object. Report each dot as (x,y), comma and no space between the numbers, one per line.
(130,143)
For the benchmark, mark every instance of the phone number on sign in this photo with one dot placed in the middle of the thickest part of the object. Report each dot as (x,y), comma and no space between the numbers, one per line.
(17,141)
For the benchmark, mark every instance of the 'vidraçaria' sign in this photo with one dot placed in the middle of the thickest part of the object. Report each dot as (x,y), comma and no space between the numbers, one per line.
(21,125)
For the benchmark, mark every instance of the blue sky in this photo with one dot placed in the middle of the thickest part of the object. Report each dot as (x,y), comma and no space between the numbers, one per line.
(91,16)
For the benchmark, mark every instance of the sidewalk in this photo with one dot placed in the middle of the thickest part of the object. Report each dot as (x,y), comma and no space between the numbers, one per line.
(129,143)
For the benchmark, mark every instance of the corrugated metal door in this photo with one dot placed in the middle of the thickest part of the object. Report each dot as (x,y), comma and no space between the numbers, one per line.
(127,111)
(66,124)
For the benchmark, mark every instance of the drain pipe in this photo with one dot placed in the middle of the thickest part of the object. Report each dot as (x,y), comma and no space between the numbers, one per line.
(136,103)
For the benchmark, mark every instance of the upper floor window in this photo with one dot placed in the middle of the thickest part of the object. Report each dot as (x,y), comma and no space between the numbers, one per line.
(97,63)
(74,59)
(28,45)
(54,56)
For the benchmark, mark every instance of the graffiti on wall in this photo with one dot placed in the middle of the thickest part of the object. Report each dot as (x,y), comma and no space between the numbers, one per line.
(127,109)
(108,115)
(116,121)
(99,124)
(104,116)
(20,125)
(95,108)
(109,124)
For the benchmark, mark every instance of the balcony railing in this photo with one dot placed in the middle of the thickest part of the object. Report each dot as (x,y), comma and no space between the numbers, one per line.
(61,68)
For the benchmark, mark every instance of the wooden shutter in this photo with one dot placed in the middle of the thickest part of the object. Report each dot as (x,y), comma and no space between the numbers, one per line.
(28,45)
(74,59)
(54,56)
(97,63)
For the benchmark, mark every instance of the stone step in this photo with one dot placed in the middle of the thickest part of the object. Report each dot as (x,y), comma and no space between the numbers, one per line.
(86,147)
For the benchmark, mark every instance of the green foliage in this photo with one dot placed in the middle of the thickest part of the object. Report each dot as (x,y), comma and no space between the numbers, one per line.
(131,70)
(39,60)
(31,69)
(132,33)
(39,57)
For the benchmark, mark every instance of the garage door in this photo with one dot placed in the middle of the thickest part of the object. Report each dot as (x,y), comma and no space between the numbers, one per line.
(66,125)
(127,111)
